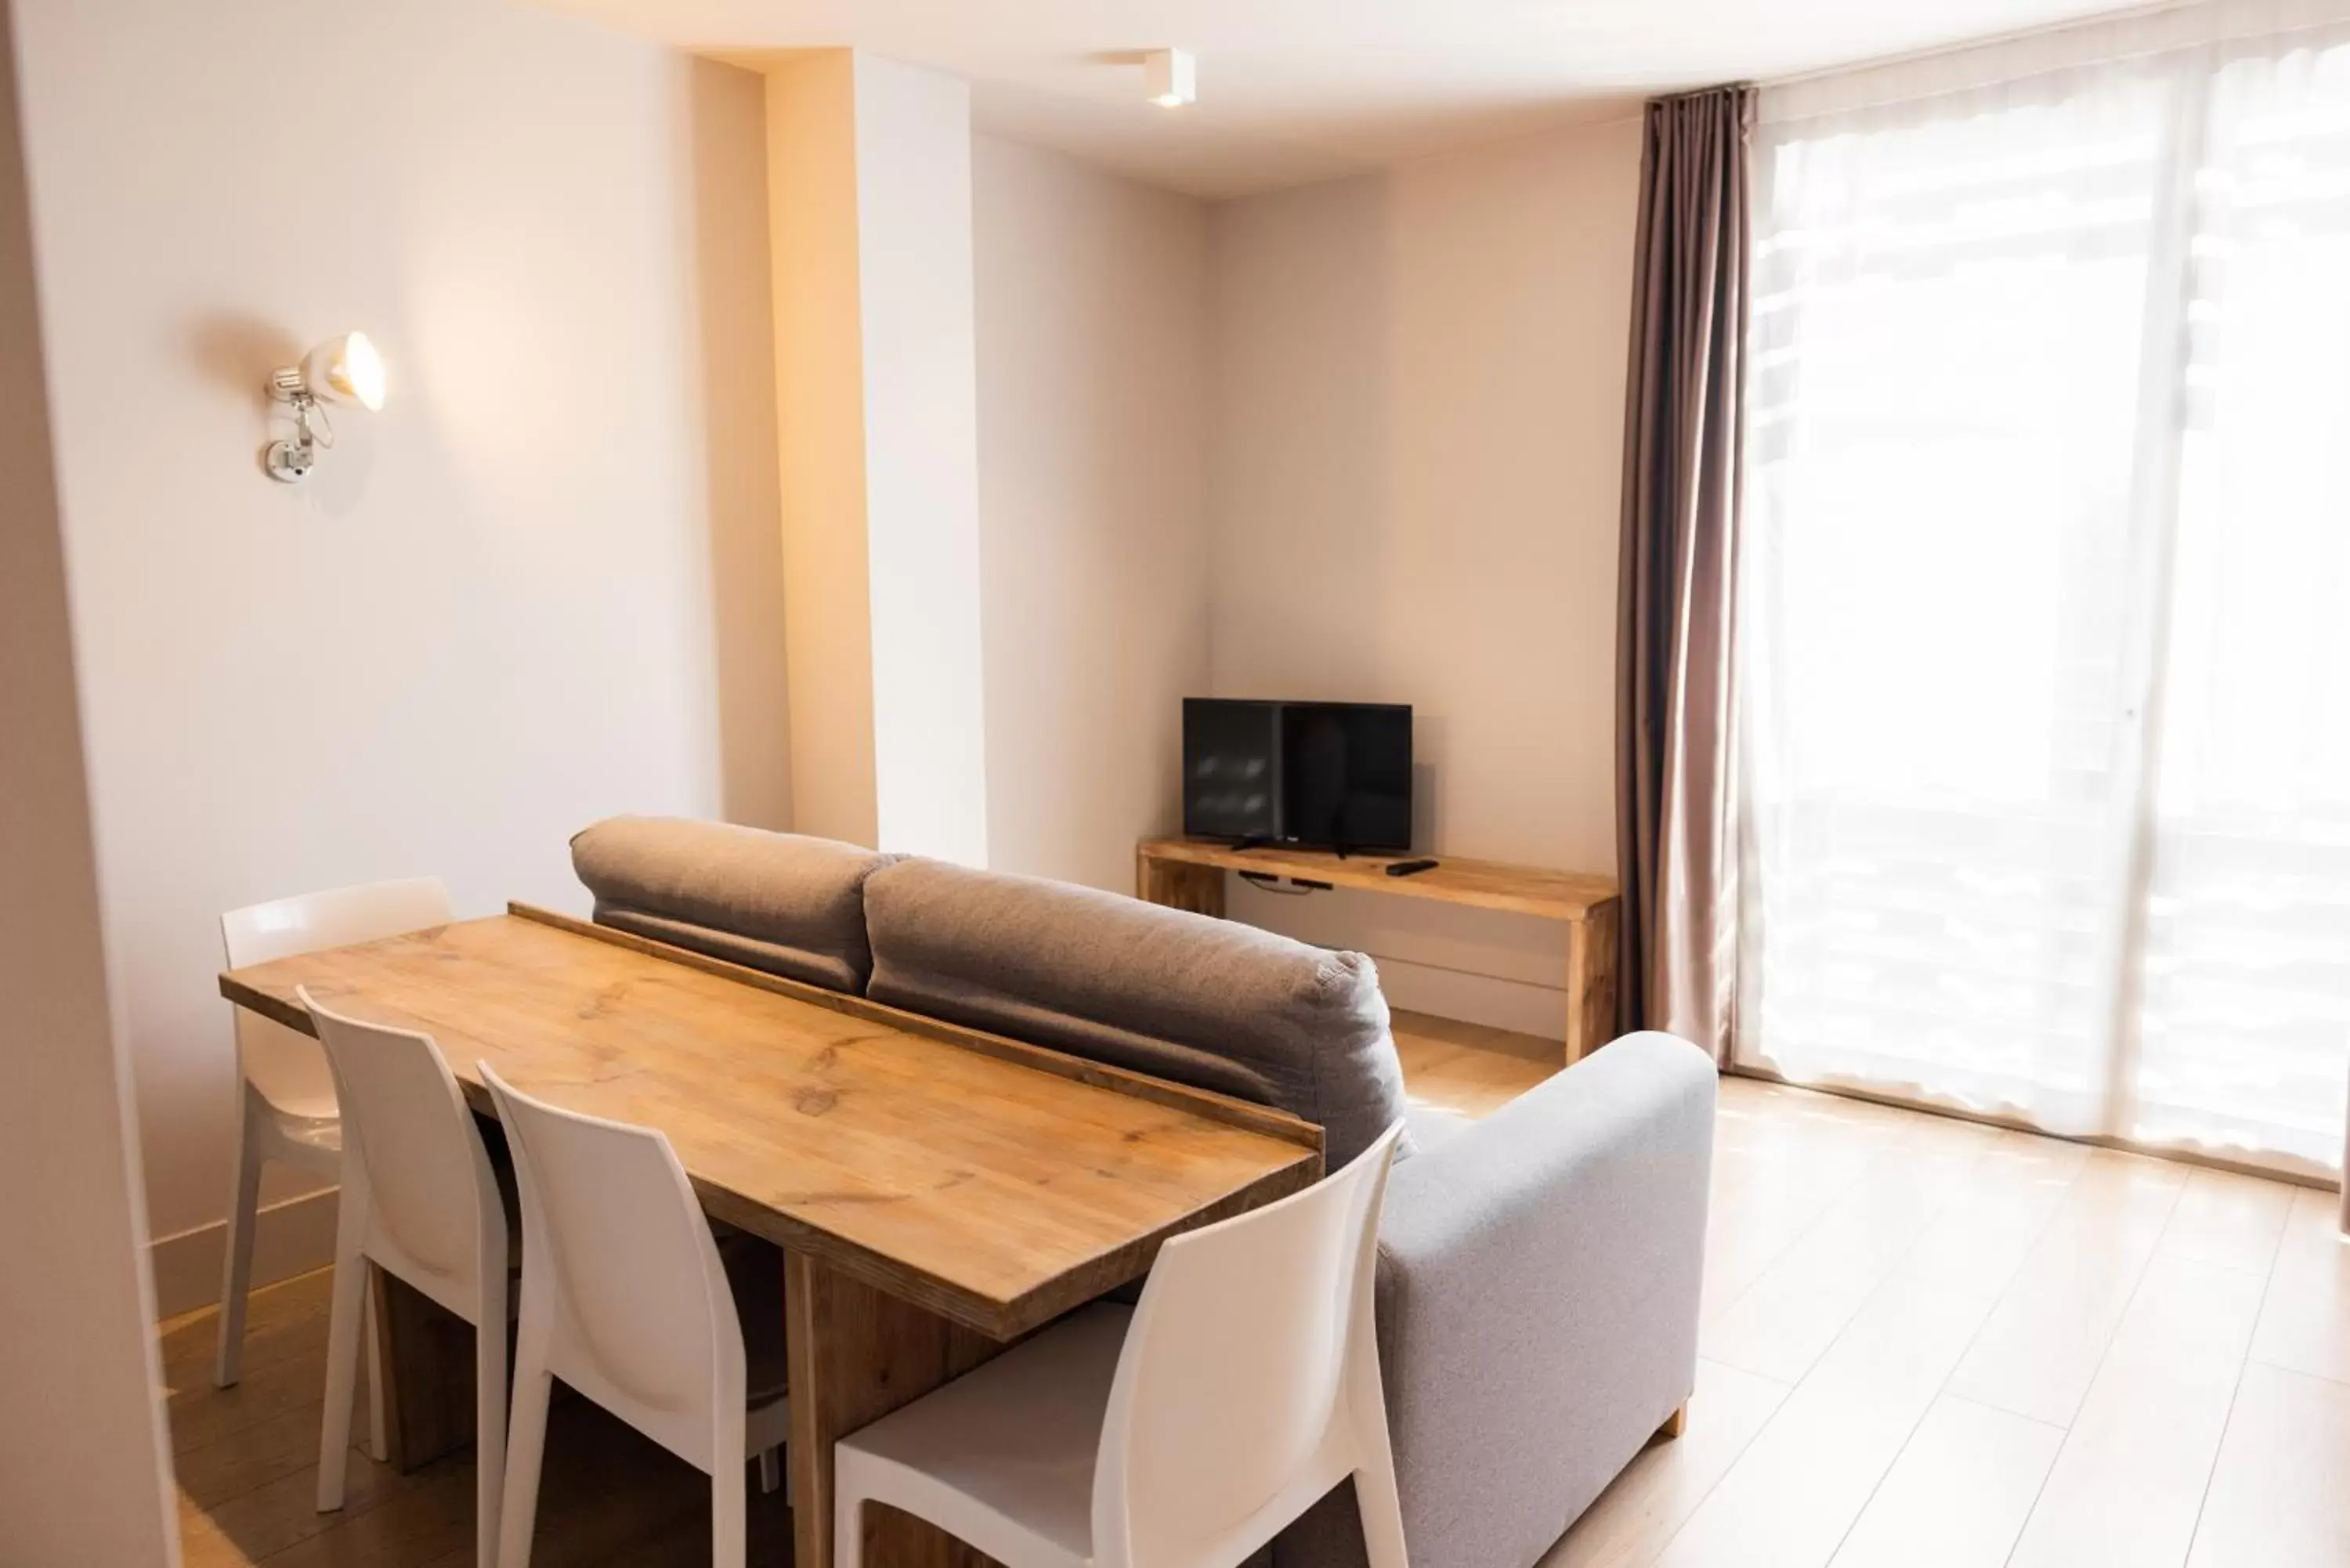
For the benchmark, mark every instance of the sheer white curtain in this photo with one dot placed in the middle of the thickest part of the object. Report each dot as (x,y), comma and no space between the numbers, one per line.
(2045,614)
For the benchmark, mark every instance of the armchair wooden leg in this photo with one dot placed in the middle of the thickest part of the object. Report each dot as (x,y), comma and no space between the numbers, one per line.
(1675,1425)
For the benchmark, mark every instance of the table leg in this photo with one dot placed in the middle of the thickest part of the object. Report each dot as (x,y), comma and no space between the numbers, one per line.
(855,1353)
(424,1362)
(1179,885)
(424,1374)
(1591,948)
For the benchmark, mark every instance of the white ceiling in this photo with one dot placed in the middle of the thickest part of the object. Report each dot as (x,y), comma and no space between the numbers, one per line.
(1294,91)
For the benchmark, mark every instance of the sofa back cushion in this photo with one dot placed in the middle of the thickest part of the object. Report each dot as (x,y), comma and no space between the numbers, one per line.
(775,901)
(1208,1002)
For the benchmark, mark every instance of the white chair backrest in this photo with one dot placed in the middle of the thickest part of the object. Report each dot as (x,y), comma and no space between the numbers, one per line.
(611,1222)
(1235,1364)
(283,1065)
(432,1202)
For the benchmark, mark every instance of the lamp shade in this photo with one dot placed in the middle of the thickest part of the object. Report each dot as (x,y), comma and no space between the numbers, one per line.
(1171,78)
(346,369)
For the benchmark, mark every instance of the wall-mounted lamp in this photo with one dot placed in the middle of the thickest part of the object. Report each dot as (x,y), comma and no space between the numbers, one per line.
(1171,77)
(345,369)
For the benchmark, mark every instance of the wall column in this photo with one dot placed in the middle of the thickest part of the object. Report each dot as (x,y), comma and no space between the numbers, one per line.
(85,1475)
(869,169)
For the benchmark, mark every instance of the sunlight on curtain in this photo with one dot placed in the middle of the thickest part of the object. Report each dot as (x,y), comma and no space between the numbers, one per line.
(2044,635)
(2246,1022)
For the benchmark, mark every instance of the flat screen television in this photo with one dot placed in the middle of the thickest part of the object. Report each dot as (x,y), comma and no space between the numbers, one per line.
(1317,775)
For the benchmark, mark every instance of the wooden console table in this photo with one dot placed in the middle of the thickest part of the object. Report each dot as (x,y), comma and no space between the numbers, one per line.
(1189,874)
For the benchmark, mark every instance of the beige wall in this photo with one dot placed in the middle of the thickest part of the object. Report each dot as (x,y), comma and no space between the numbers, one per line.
(819,361)
(1417,416)
(1358,439)
(82,1473)
(921,459)
(1093,364)
(542,586)
(732,336)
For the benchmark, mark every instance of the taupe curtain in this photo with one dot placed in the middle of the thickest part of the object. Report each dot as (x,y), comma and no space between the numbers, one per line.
(1675,756)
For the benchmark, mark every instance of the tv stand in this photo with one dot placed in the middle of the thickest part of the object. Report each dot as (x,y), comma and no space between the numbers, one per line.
(1189,874)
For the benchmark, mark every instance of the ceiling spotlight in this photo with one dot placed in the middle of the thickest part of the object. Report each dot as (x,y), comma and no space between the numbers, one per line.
(345,369)
(1171,76)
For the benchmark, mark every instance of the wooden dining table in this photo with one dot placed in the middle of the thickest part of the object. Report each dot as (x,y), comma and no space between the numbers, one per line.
(938,1192)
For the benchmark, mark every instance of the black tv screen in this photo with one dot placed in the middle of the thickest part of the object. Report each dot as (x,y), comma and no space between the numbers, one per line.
(1319,776)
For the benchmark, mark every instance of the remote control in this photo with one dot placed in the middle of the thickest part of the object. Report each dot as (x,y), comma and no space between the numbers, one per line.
(1411,868)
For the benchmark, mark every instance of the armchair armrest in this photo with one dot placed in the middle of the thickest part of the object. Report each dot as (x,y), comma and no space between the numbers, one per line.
(1538,1296)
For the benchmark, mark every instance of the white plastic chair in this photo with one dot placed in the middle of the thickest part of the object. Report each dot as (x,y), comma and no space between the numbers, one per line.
(626,1298)
(286,1096)
(420,1200)
(1184,1434)
(286,1102)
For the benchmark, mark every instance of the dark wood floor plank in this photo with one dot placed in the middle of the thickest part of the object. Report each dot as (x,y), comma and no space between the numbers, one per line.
(229,1467)
(247,1469)
(204,1413)
(428,1520)
(285,1512)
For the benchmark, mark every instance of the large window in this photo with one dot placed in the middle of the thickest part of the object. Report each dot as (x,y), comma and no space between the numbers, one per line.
(2045,608)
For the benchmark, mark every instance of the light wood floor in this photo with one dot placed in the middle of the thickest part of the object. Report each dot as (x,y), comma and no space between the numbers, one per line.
(1927,1345)
(1933,1344)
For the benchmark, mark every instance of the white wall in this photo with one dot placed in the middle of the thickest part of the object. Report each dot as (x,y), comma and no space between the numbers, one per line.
(1093,365)
(82,1471)
(541,587)
(869,205)
(1417,440)
(921,459)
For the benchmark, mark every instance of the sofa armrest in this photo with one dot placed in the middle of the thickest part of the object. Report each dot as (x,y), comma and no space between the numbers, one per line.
(1538,1294)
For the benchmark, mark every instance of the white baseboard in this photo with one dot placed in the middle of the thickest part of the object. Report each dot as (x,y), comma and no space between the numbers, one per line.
(290,1237)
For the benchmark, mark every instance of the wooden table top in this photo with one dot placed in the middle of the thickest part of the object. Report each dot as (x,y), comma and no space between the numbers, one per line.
(1482,884)
(991,1181)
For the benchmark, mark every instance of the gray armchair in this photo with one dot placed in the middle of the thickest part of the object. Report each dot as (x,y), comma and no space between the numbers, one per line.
(1538,1293)
(1539,1271)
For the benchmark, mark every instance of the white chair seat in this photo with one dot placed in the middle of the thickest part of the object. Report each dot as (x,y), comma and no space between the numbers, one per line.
(754,1272)
(767,1427)
(1003,1456)
(766,1382)
(320,1129)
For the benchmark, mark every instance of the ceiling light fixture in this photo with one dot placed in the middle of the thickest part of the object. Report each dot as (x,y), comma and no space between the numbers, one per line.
(345,369)
(1171,77)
